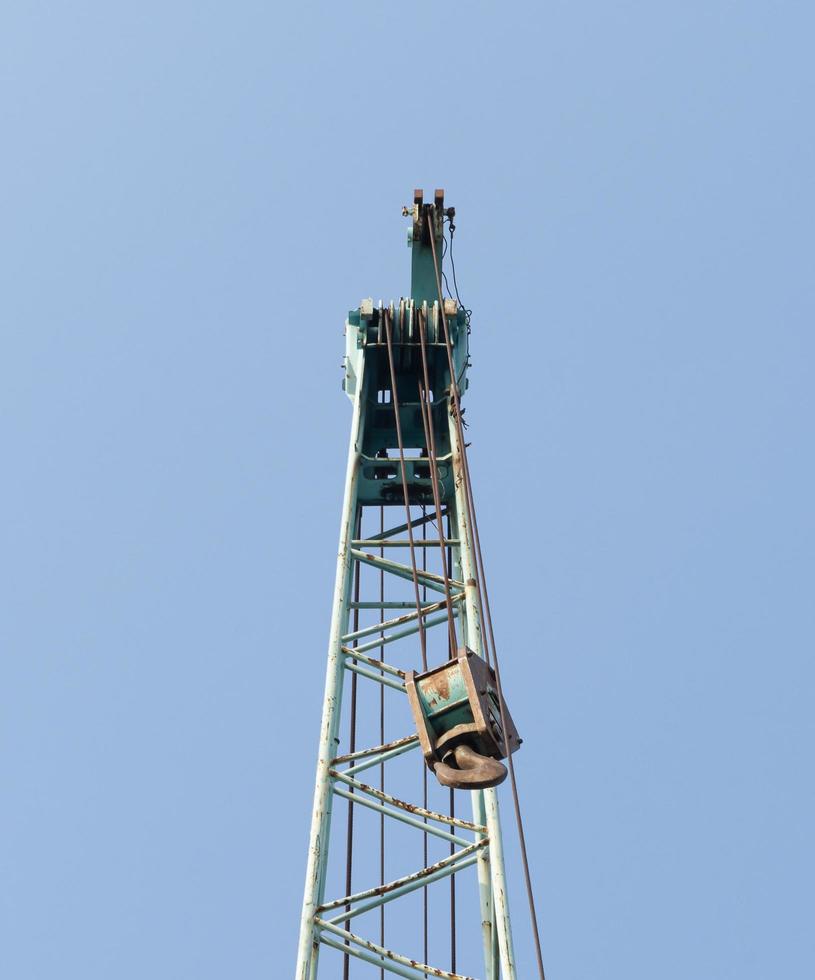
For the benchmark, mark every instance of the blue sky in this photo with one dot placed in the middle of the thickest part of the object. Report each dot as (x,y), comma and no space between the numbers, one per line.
(192,196)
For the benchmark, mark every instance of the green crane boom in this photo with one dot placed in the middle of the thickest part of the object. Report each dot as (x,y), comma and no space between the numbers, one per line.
(406,636)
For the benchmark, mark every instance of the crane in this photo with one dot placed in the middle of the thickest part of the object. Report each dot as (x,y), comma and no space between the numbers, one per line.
(416,734)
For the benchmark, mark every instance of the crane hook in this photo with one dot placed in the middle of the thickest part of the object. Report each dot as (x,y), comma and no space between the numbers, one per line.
(472,770)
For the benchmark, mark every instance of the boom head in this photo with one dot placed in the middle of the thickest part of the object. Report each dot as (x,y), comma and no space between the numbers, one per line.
(425,238)
(429,333)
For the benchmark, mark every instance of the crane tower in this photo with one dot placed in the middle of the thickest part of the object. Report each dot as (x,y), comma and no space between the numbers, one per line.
(405,857)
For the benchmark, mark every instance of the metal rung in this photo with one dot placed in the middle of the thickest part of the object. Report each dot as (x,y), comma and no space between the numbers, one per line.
(398,815)
(376,750)
(418,522)
(387,604)
(377,760)
(430,579)
(400,634)
(383,955)
(371,662)
(373,676)
(404,543)
(399,620)
(410,807)
(411,882)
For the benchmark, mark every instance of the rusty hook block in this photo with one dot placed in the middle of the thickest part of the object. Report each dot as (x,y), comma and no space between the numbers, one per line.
(457,713)
(472,770)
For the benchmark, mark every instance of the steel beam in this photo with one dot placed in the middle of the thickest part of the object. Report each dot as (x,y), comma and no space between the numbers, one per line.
(373,676)
(426,828)
(411,883)
(389,954)
(307,950)
(496,894)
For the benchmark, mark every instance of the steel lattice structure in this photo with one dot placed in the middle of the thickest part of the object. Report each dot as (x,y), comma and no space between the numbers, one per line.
(405,369)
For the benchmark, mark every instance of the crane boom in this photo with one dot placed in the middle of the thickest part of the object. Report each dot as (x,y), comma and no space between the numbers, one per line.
(414,721)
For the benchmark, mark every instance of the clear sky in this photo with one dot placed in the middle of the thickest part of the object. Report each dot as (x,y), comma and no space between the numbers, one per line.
(192,195)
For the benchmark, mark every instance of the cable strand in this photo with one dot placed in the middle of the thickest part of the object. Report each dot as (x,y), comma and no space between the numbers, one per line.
(488,617)
(395,403)
(430,442)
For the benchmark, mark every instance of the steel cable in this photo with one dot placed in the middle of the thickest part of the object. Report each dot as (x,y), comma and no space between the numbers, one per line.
(455,398)
(425,854)
(449,564)
(430,441)
(395,402)
(486,610)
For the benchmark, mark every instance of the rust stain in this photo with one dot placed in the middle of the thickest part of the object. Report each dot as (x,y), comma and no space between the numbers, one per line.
(438,685)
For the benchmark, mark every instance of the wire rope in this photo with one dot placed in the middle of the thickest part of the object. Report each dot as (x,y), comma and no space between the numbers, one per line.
(487,614)
(455,398)
(453,929)
(395,403)
(430,442)
(467,313)
(425,854)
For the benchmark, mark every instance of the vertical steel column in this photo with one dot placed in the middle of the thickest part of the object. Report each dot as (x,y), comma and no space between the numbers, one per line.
(485,889)
(498,897)
(308,947)
(499,886)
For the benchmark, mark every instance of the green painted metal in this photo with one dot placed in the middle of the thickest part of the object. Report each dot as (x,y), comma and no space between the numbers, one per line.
(429,622)
(382,796)
(387,954)
(426,221)
(447,705)
(374,478)
(387,624)
(377,760)
(395,814)
(373,662)
(410,883)
(379,678)
(407,741)
(393,604)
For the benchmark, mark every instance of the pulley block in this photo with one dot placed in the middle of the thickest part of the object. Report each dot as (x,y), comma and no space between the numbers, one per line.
(457,713)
